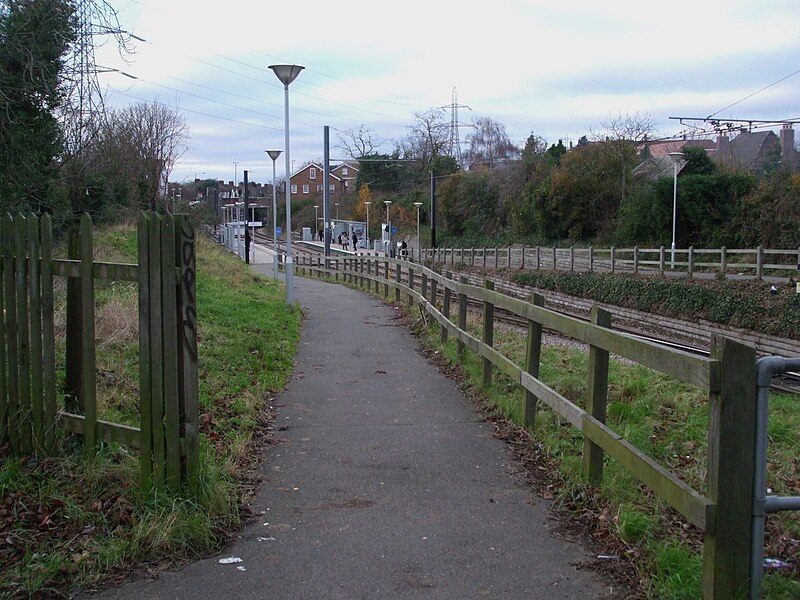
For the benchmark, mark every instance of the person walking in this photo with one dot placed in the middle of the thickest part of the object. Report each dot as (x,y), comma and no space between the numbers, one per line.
(355,242)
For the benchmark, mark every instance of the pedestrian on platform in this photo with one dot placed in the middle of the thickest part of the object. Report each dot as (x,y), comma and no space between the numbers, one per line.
(355,242)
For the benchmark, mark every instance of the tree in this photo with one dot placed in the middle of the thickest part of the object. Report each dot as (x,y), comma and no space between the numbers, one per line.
(623,137)
(35,36)
(427,140)
(489,142)
(358,143)
(133,154)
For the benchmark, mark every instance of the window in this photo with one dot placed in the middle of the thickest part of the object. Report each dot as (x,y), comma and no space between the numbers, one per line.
(319,188)
(332,188)
(305,188)
(294,188)
(312,173)
(344,170)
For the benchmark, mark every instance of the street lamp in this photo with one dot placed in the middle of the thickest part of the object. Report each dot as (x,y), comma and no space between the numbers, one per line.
(388,227)
(336,204)
(367,205)
(287,74)
(274,154)
(235,176)
(316,220)
(419,244)
(675,156)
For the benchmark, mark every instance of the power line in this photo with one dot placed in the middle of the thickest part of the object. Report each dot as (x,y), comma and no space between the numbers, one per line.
(754,93)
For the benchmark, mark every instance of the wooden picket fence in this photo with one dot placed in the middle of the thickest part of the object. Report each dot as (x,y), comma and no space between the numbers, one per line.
(30,410)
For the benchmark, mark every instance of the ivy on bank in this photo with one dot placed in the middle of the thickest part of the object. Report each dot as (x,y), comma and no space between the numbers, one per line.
(748,305)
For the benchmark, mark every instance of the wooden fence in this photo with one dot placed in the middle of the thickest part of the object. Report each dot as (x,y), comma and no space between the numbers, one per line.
(30,411)
(722,512)
(754,262)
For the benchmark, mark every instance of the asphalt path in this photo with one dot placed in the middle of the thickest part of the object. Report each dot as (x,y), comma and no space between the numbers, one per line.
(386,483)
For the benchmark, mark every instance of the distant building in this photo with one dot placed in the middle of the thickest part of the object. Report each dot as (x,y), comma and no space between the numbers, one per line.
(308,181)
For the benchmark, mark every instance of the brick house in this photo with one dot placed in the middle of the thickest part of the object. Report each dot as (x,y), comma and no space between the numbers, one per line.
(308,181)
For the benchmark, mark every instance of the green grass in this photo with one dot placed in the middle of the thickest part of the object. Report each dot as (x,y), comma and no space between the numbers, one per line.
(667,420)
(75,521)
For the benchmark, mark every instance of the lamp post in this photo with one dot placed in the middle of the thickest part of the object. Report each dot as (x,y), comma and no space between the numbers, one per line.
(287,74)
(675,156)
(316,220)
(388,227)
(235,176)
(367,205)
(274,154)
(336,204)
(419,243)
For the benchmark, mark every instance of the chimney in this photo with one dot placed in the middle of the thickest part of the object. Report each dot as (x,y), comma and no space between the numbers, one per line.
(723,147)
(788,153)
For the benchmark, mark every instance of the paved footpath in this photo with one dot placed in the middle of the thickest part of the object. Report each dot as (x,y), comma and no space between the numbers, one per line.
(386,484)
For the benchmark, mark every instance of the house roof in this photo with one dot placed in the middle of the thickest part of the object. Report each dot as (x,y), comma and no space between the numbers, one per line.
(662,149)
(656,167)
(316,166)
(747,149)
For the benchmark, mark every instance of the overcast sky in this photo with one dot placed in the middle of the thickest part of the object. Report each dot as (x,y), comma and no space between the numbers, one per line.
(556,69)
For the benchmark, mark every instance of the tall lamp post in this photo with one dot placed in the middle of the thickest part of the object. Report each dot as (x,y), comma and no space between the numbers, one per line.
(287,74)
(336,204)
(316,220)
(388,228)
(367,203)
(235,177)
(274,154)
(419,242)
(675,156)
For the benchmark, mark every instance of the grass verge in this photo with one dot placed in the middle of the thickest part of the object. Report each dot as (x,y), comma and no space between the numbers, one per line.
(70,522)
(645,544)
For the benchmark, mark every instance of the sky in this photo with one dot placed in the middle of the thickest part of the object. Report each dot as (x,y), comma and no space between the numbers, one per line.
(555,69)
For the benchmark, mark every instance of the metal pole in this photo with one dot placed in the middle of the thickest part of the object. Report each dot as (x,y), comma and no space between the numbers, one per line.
(326,194)
(433,211)
(289,261)
(367,236)
(274,223)
(246,219)
(674,208)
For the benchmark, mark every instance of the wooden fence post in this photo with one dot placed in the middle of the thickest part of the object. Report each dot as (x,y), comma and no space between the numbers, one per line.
(411,276)
(572,258)
(555,260)
(48,333)
(386,277)
(523,257)
(723,261)
(434,291)
(88,390)
(729,480)
(636,260)
(613,259)
(596,398)
(446,308)
(424,286)
(661,261)
(690,261)
(591,259)
(533,354)
(23,364)
(186,309)
(759,262)
(488,333)
(397,277)
(462,316)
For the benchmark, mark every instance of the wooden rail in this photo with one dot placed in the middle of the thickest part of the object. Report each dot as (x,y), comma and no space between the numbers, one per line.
(753,262)
(728,376)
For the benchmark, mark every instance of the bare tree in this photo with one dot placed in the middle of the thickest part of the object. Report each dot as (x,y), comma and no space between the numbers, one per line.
(428,138)
(623,136)
(358,143)
(137,147)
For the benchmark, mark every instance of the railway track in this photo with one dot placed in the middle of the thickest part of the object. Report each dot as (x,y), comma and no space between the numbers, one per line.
(787,382)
